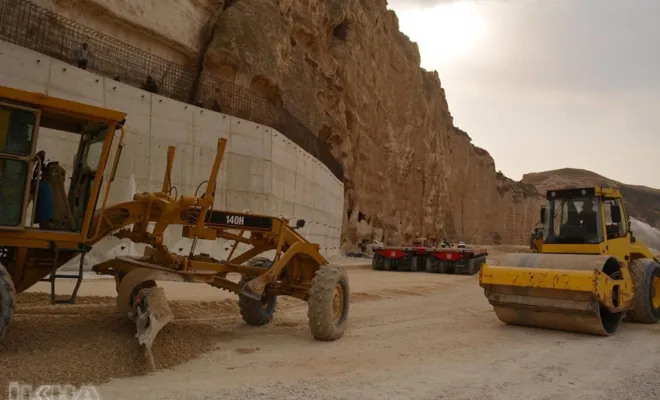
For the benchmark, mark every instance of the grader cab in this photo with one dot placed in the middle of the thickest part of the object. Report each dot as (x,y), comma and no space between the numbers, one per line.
(589,273)
(43,226)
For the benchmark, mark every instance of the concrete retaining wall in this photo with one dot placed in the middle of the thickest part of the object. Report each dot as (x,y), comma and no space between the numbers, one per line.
(262,170)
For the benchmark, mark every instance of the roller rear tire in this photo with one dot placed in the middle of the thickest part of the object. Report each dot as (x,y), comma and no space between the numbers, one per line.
(646,304)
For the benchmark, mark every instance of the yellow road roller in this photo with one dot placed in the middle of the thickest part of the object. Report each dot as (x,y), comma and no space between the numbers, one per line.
(589,273)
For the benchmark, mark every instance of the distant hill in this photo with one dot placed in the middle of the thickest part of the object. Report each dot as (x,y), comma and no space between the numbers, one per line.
(642,203)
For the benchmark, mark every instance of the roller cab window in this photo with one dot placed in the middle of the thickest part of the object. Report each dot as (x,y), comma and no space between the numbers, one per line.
(574,220)
(615,225)
(17,138)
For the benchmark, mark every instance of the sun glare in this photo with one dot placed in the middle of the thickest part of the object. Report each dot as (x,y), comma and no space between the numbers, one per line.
(445,33)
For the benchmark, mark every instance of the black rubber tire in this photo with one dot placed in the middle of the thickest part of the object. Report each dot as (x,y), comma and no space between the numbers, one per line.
(377,262)
(320,303)
(444,267)
(7,300)
(643,271)
(255,312)
(474,265)
(415,263)
(388,264)
(429,264)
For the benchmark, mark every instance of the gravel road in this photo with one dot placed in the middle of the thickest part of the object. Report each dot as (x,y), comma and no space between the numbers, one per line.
(411,336)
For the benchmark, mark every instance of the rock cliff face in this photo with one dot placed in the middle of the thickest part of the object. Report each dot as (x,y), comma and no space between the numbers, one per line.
(348,73)
(642,203)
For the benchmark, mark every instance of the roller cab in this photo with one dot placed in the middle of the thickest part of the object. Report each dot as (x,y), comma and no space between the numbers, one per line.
(579,280)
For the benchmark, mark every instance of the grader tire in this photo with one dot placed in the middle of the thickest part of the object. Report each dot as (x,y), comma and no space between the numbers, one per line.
(328,303)
(256,312)
(7,300)
(645,309)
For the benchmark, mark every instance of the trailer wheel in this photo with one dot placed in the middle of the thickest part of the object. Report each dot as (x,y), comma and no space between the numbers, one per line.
(328,302)
(256,312)
(377,262)
(431,265)
(646,304)
(474,265)
(415,263)
(7,300)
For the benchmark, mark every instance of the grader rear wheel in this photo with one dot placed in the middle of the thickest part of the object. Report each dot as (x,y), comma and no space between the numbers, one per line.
(328,302)
(646,305)
(256,312)
(7,300)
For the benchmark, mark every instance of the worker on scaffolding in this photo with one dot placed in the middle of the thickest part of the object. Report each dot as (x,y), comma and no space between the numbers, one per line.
(83,56)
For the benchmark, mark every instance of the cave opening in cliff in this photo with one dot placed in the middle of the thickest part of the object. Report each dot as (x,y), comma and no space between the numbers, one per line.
(228,3)
(267,88)
(341,31)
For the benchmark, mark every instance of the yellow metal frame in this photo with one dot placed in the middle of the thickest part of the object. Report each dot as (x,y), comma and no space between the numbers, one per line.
(294,266)
(35,238)
(33,245)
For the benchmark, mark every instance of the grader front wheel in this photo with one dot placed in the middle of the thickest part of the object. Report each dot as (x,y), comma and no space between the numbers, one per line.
(256,312)
(7,300)
(328,302)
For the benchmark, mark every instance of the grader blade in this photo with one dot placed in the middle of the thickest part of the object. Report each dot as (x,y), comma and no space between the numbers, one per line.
(152,314)
(144,303)
(576,293)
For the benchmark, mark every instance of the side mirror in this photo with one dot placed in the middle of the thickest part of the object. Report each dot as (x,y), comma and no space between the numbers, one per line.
(616,214)
(542,213)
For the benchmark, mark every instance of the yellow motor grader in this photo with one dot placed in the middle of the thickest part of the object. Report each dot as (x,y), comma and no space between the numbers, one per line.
(63,225)
(590,271)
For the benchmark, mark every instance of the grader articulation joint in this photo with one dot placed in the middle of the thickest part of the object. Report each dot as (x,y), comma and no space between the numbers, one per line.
(31,251)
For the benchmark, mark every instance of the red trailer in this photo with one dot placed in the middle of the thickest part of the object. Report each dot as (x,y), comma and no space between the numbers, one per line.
(463,261)
(404,258)
(447,260)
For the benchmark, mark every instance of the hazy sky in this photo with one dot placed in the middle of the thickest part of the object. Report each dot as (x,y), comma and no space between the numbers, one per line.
(546,84)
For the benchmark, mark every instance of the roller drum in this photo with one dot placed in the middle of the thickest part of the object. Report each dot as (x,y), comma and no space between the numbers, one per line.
(554,308)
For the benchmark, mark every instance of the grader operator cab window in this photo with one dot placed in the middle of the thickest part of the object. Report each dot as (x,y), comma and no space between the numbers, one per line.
(84,173)
(17,136)
(573,220)
(49,159)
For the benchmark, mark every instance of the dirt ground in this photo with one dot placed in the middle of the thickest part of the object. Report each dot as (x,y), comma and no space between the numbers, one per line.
(411,336)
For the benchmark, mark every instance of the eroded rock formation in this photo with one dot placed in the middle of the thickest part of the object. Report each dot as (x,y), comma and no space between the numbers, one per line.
(347,72)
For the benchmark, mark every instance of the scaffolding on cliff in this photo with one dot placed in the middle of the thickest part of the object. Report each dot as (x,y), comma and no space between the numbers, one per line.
(28,25)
